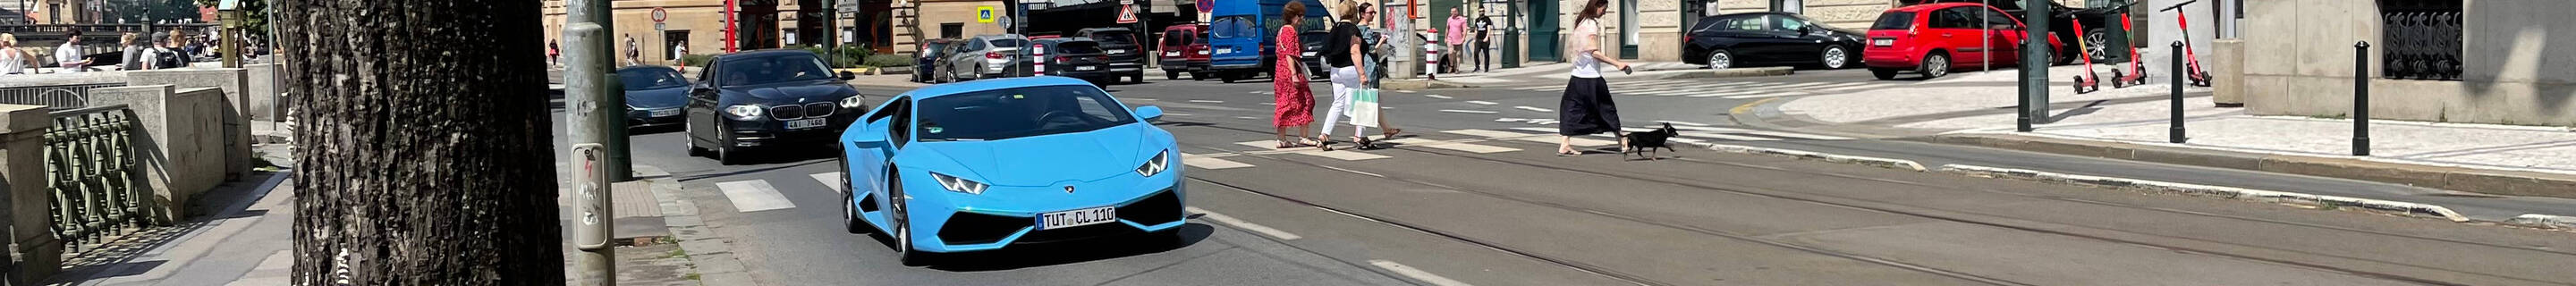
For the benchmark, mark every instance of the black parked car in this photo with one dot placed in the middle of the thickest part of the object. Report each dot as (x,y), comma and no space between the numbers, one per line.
(1126,56)
(654,95)
(1745,39)
(1075,58)
(767,98)
(931,51)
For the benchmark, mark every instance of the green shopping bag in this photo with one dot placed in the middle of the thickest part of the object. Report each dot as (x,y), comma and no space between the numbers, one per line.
(1364,107)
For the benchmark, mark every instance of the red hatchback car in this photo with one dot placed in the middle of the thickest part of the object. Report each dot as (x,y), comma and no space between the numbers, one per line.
(1932,39)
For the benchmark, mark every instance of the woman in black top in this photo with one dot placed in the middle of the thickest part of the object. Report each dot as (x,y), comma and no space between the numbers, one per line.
(1342,52)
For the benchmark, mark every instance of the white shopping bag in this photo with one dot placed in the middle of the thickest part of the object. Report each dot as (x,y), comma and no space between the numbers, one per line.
(1364,107)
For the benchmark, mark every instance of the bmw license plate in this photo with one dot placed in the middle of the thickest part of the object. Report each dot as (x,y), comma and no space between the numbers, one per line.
(1081,217)
(808,123)
(1882,42)
(666,112)
(1085,68)
(1115,51)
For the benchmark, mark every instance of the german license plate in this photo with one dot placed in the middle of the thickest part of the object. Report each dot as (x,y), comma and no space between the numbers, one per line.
(1085,68)
(666,112)
(1308,54)
(1882,42)
(1081,217)
(1225,50)
(1171,54)
(808,123)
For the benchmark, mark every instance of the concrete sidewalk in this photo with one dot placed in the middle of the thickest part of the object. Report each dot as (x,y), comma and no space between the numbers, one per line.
(245,241)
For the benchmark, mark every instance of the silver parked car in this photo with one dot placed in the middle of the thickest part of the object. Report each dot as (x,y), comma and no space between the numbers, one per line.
(987,56)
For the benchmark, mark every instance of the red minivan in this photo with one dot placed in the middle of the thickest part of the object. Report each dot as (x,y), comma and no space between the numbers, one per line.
(1185,50)
(1931,39)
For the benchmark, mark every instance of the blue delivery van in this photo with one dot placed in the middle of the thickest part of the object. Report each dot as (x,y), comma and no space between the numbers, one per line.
(1240,35)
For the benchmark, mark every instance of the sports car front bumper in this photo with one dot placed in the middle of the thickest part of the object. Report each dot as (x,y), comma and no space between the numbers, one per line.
(1000,217)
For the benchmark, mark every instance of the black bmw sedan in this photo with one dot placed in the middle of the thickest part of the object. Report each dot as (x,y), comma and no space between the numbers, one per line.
(654,95)
(767,98)
(1763,38)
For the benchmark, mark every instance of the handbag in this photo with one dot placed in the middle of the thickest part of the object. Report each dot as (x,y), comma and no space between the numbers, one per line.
(1364,107)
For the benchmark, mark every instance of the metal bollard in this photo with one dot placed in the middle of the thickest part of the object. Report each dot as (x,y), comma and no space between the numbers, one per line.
(2361,98)
(2175,135)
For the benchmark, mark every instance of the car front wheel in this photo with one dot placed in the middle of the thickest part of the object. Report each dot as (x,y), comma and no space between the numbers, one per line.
(902,230)
(1720,59)
(1835,57)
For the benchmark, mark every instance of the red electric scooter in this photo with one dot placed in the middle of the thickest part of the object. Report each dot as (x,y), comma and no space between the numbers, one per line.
(2089,81)
(2137,66)
(2199,77)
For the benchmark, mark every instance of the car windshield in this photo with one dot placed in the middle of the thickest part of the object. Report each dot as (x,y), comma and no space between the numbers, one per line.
(1176,38)
(1894,21)
(773,69)
(1018,112)
(1114,37)
(650,78)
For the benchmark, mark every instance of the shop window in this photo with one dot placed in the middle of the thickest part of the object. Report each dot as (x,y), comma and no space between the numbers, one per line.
(2420,39)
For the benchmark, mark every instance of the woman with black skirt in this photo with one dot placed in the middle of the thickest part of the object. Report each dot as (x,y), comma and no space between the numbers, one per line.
(1586,108)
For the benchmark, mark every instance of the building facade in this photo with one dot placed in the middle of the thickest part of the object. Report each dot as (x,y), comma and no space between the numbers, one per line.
(2471,61)
(701,25)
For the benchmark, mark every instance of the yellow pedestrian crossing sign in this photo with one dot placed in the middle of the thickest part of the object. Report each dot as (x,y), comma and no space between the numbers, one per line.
(984,14)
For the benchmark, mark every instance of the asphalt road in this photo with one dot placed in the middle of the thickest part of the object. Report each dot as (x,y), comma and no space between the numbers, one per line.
(1471,196)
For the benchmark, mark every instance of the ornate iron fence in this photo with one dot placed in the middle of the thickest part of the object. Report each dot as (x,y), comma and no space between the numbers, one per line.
(59,97)
(2422,39)
(90,155)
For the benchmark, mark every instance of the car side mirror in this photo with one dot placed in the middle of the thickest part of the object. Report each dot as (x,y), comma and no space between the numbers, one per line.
(865,135)
(846,75)
(1149,113)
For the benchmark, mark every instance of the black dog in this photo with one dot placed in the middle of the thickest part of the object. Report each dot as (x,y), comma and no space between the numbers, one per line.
(1644,143)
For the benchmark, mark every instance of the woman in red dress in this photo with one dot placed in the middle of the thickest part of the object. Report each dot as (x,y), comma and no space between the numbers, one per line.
(1296,104)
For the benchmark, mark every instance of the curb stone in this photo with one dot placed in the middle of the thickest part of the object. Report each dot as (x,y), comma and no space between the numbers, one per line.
(1863,160)
(2408,208)
(713,255)
(2544,221)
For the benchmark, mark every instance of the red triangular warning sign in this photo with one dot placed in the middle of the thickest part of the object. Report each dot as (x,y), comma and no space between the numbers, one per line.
(1126,14)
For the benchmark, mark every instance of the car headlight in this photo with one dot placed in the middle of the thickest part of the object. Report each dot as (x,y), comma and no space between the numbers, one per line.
(961,185)
(853,102)
(744,112)
(1156,165)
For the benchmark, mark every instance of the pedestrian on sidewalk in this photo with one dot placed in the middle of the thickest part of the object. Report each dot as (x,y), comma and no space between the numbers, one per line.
(1456,42)
(69,55)
(1587,108)
(634,54)
(1484,43)
(554,53)
(133,51)
(1342,51)
(12,59)
(1295,102)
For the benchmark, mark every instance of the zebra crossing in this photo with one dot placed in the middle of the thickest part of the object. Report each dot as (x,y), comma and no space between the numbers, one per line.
(749,196)
(1722,89)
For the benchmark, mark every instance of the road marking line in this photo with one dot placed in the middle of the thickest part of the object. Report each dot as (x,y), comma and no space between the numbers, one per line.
(1245,117)
(1439,96)
(1736,93)
(1766,95)
(1481,102)
(1525,107)
(1468,111)
(1861,86)
(1682,123)
(1798,135)
(1178,114)
(754,195)
(1711,129)
(1472,148)
(1686,140)
(1799,85)
(1341,155)
(1208,101)
(1487,133)
(1210,163)
(1249,226)
(1352,171)
(1727,137)
(829,179)
(1416,274)
(1577,141)
(1269,103)
(1840,85)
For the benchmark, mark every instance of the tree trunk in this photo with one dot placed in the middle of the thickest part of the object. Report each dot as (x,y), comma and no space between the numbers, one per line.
(425,157)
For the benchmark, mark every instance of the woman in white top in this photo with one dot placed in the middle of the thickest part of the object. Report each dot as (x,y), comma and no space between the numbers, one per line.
(1586,108)
(12,59)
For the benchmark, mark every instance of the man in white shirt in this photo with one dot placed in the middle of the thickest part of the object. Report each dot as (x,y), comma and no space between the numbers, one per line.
(69,55)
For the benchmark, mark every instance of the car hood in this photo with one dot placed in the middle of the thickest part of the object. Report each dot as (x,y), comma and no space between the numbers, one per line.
(1047,160)
(796,91)
(658,98)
